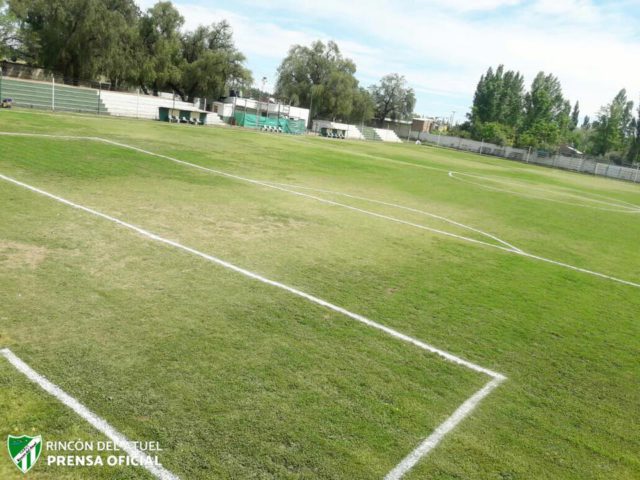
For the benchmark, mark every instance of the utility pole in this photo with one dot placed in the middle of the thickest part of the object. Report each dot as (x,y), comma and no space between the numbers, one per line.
(264,81)
(311,108)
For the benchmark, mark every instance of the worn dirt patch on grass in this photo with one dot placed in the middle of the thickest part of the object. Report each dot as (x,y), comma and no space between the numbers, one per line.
(21,255)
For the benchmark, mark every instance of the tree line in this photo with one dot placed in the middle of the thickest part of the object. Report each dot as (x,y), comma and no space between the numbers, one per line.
(114,40)
(504,113)
(129,48)
(319,77)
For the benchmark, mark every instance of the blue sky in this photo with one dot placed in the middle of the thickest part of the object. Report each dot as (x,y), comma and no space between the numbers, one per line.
(442,47)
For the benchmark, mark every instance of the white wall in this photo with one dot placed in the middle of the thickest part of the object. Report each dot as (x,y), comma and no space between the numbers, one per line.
(144,106)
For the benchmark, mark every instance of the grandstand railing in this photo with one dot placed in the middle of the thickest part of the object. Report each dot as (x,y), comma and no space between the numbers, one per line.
(31,87)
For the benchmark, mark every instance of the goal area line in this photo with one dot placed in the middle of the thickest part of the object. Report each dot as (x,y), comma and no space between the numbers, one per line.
(462,412)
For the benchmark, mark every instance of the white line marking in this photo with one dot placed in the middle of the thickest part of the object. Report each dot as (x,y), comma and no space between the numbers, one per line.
(517,252)
(275,186)
(255,276)
(622,207)
(439,433)
(98,423)
(444,170)
(572,192)
(497,377)
(402,207)
(499,247)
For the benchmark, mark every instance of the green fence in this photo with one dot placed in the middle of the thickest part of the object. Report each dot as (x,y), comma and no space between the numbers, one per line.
(287,125)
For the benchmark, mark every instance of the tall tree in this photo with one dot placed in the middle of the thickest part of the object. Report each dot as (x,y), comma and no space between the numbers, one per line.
(393,98)
(79,38)
(613,127)
(499,98)
(9,33)
(320,78)
(547,113)
(363,106)
(210,63)
(161,42)
(575,116)
(633,155)
(119,44)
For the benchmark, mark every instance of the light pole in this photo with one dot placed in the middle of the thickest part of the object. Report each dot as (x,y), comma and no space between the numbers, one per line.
(453,115)
(310,107)
(264,81)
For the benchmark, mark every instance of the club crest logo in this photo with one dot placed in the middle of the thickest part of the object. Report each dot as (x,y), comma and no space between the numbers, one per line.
(24,451)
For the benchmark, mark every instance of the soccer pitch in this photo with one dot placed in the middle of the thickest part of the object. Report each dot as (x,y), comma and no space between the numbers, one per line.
(171,280)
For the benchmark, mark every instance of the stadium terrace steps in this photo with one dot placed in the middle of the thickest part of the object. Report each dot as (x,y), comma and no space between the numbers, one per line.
(43,95)
(369,133)
(387,135)
(379,134)
(31,94)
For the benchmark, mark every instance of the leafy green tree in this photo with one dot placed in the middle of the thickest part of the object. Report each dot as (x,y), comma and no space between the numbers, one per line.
(580,138)
(9,33)
(499,98)
(613,127)
(161,42)
(119,43)
(575,117)
(541,135)
(393,98)
(547,113)
(82,39)
(633,155)
(318,77)
(586,123)
(210,63)
(363,106)
(495,132)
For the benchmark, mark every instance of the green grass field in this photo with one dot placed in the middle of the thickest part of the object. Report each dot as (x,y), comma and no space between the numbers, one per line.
(237,379)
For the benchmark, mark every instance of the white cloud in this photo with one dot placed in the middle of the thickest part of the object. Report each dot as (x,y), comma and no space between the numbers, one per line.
(581,10)
(476,5)
(443,48)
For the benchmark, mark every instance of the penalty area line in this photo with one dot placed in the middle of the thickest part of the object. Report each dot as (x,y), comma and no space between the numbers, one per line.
(515,251)
(282,188)
(94,420)
(429,443)
(421,451)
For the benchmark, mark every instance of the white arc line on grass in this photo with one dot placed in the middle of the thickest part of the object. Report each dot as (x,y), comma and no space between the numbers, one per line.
(94,420)
(622,207)
(275,186)
(444,170)
(293,192)
(402,207)
(496,377)
(499,247)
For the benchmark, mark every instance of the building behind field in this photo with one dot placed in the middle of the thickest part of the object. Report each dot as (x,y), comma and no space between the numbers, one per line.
(250,113)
